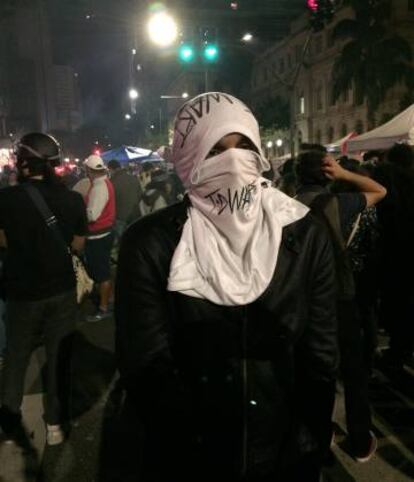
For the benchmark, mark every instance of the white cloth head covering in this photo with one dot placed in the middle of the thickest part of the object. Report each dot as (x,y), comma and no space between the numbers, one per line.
(202,122)
(230,243)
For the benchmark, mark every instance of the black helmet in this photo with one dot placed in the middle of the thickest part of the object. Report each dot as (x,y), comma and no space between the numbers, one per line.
(37,145)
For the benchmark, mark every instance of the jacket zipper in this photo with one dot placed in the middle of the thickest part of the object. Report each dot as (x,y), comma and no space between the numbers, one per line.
(244,388)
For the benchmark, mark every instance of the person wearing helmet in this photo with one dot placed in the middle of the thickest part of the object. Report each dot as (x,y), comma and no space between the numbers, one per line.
(100,207)
(39,280)
(225,314)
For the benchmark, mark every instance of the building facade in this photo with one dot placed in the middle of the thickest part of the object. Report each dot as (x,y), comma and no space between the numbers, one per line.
(67,99)
(316,116)
(35,94)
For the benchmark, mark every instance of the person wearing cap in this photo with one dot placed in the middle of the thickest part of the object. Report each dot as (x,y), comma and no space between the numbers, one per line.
(225,315)
(40,284)
(100,209)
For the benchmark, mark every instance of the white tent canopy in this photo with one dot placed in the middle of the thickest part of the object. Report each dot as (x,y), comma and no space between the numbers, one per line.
(340,144)
(398,129)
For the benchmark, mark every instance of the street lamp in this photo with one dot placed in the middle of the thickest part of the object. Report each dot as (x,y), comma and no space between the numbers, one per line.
(247,37)
(133,94)
(279,143)
(269,145)
(162,29)
(127,116)
(184,95)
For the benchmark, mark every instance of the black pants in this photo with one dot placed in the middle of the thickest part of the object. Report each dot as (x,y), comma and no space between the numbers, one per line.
(52,319)
(355,376)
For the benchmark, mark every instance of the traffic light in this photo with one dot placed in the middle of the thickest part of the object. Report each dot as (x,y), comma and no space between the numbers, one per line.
(321,12)
(211,52)
(186,53)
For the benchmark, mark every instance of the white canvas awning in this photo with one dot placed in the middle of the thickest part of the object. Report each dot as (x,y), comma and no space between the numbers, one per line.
(341,145)
(398,129)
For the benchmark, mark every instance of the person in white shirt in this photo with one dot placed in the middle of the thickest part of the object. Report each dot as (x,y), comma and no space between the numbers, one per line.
(100,202)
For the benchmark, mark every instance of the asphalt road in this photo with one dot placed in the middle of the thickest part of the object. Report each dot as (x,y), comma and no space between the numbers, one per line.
(102,446)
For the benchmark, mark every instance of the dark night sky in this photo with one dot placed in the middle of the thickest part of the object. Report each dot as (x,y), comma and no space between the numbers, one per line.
(100,48)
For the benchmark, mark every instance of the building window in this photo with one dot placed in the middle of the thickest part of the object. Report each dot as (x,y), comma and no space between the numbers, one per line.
(317,46)
(410,5)
(330,42)
(332,101)
(319,96)
(330,134)
(358,97)
(359,127)
(344,130)
(318,137)
(298,53)
(302,104)
(300,138)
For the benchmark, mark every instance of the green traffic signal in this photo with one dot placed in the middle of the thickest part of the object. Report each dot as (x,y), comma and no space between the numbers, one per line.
(211,52)
(186,53)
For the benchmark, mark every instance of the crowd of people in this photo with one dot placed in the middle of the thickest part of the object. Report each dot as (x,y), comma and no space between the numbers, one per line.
(239,299)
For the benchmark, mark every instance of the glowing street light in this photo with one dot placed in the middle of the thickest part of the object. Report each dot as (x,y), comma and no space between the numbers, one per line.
(127,116)
(162,29)
(269,145)
(184,95)
(279,143)
(247,37)
(133,94)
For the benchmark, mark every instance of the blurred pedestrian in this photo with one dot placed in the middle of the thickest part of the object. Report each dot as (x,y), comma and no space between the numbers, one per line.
(396,221)
(314,170)
(128,194)
(157,194)
(101,212)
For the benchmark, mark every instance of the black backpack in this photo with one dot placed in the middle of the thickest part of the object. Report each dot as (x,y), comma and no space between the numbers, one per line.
(325,207)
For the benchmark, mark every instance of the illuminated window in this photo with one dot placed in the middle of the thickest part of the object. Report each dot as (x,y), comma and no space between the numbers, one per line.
(302,104)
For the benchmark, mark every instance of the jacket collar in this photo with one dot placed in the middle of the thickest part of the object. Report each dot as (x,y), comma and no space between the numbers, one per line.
(312,188)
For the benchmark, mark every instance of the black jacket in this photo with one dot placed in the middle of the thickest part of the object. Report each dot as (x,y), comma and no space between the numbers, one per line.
(128,194)
(238,391)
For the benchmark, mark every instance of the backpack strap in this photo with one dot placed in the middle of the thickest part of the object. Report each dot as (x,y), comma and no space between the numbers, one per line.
(47,215)
(354,230)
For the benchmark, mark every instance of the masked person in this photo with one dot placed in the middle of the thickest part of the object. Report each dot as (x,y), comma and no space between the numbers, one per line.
(226,330)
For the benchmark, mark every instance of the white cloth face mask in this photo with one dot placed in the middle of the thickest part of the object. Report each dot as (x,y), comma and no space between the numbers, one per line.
(227,193)
(230,243)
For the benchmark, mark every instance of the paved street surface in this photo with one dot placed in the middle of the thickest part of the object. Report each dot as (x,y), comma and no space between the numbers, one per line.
(102,446)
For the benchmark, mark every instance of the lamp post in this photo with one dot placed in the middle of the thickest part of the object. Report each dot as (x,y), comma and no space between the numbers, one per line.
(183,96)
(133,96)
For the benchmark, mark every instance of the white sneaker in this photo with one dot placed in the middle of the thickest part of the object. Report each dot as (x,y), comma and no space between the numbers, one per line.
(363,458)
(54,435)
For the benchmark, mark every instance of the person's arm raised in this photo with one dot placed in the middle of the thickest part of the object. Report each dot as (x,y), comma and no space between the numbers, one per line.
(372,190)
